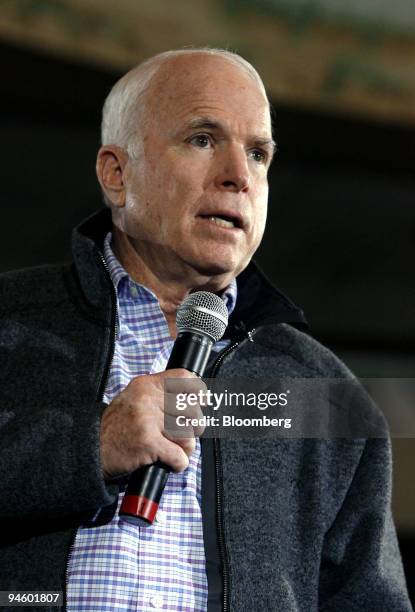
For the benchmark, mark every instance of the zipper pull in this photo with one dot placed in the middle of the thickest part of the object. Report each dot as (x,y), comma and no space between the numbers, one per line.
(243,332)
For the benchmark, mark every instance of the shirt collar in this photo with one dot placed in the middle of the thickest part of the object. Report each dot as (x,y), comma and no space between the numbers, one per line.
(126,287)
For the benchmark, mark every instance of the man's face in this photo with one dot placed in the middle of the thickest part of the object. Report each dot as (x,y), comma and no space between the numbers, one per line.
(196,199)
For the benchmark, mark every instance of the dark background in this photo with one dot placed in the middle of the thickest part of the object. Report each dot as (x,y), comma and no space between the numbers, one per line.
(340,238)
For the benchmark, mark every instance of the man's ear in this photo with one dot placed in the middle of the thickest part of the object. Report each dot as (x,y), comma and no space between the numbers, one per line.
(111,162)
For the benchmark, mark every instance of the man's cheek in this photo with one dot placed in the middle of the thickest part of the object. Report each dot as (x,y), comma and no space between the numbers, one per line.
(259,228)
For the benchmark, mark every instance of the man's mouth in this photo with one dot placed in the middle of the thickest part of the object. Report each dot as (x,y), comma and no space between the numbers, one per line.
(224,221)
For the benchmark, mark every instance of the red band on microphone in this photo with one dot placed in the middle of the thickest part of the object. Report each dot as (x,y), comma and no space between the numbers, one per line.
(139,506)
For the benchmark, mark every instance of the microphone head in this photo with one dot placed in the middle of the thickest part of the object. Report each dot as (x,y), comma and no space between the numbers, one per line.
(203,312)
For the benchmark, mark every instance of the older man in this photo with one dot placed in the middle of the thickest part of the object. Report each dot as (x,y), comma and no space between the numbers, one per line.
(273,525)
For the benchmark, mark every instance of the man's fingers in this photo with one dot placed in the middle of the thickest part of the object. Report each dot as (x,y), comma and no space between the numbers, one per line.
(134,431)
(180,381)
(174,455)
(174,407)
(183,423)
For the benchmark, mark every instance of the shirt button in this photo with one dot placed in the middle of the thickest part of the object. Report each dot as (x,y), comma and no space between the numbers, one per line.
(161,517)
(157,601)
(133,291)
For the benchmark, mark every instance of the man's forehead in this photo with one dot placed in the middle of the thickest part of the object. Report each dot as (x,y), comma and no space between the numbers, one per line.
(184,92)
(202,74)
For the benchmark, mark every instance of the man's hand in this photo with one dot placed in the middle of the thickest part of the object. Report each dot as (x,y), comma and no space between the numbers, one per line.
(133,429)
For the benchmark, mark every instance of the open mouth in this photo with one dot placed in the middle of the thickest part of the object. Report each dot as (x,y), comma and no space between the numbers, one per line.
(224,221)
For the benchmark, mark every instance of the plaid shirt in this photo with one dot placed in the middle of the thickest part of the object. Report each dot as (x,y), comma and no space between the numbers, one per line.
(125,567)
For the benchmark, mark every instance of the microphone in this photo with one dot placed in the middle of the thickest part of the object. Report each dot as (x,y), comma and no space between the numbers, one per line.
(201,321)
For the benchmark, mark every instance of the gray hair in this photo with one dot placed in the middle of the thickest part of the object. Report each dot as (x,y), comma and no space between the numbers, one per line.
(123,113)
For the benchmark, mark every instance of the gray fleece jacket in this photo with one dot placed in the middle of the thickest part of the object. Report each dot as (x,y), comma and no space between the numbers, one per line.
(301,524)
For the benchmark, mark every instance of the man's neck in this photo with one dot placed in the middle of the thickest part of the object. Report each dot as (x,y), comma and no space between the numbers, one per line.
(170,286)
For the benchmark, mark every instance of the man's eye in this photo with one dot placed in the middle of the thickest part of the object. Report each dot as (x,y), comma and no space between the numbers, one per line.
(200,140)
(258,155)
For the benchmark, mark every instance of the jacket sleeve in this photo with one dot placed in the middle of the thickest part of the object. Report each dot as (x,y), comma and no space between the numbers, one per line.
(50,464)
(361,567)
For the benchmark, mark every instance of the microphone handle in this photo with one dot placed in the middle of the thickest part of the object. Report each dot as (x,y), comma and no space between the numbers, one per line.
(190,351)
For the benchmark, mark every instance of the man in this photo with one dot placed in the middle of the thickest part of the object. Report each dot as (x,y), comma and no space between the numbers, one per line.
(273,525)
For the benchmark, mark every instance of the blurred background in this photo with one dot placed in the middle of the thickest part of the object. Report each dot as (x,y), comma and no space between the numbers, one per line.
(341,233)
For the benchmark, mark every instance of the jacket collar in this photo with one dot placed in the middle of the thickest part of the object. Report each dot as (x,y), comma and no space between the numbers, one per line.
(87,248)
(258,302)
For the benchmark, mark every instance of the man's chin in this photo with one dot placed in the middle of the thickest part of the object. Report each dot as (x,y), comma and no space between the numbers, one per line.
(218,274)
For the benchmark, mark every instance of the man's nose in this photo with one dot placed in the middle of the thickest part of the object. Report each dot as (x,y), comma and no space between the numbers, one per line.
(233,171)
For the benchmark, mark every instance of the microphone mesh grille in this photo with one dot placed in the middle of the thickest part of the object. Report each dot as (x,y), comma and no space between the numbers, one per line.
(204,312)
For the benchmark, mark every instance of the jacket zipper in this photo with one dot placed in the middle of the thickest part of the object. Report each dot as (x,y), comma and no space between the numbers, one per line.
(114,332)
(100,393)
(218,474)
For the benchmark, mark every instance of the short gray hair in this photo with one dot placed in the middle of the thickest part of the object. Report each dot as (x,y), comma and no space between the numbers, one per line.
(124,108)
